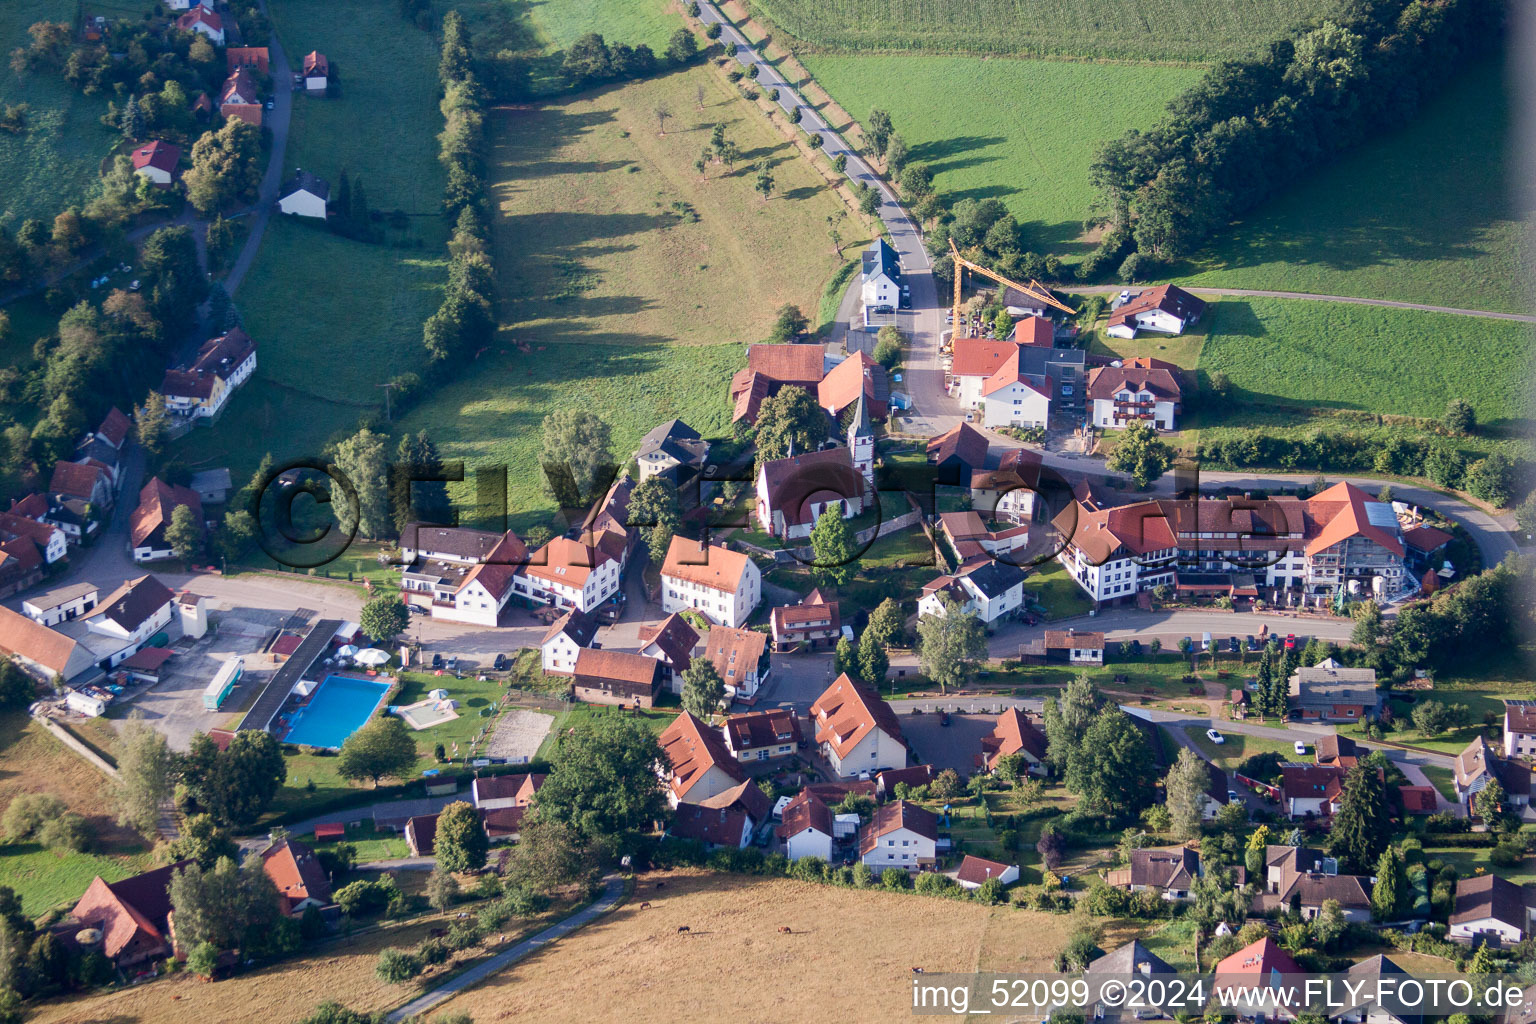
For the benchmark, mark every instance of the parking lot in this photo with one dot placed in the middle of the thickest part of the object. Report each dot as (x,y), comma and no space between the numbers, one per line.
(946,746)
(174,705)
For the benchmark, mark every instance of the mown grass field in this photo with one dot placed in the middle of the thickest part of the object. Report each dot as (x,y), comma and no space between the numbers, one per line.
(1406,217)
(1022,131)
(1183,30)
(1289,352)
(56,161)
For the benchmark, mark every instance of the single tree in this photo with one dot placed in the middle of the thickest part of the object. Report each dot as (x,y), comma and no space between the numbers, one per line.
(1109,772)
(873,661)
(154,423)
(1459,418)
(887,623)
(384,617)
(683,48)
(202,840)
(362,461)
(185,533)
(1140,453)
(1066,720)
(763,183)
(382,747)
(143,783)
(950,644)
(662,112)
(789,323)
(1362,826)
(877,127)
(442,890)
(896,154)
(834,547)
(1329,924)
(1186,785)
(789,421)
(235,784)
(576,455)
(703,689)
(1488,804)
(888,344)
(461,842)
(603,784)
(1391,888)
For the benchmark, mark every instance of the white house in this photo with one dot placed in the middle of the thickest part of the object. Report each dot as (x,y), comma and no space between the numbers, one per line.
(723,584)
(792,493)
(881,278)
(1134,393)
(203,21)
(60,605)
(156,161)
(671,450)
(698,765)
(459,575)
(498,792)
(1168,871)
(857,732)
(317,71)
(305,195)
(564,641)
(990,589)
(568,573)
(1166,309)
(741,658)
(899,835)
(1519,728)
(1490,908)
(1074,646)
(151,519)
(973,871)
(201,390)
(673,642)
(762,735)
(119,626)
(1010,399)
(807,827)
(51,541)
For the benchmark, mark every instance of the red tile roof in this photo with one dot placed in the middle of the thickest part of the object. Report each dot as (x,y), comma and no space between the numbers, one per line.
(897,814)
(846,712)
(805,811)
(115,425)
(1107,381)
(162,156)
(963,442)
(316,64)
(978,869)
(1346,511)
(76,479)
(1260,959)
(1426,538)
(1013,733)
(714,565)
(787,364)
(158,501)
(296,871)
(735,653)
(856,375)
(718,826)
(762,729)
(247,57)
(33,506)
(692,749)
(1035,330)
(1169,298)
(979,357)
(1418,799)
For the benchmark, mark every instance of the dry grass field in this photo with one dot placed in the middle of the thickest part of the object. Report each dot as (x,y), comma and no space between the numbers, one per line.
(849,958)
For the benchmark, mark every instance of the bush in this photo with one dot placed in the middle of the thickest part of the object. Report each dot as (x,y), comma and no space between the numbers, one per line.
(27,813)
(396,966)
(67,831)
(713,30)
(931,883)
(367,896)
(991,891)
(863,875)
(894,878)
(432,951)
(462,935)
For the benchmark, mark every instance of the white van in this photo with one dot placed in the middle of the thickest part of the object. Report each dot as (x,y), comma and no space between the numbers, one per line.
(1205,642)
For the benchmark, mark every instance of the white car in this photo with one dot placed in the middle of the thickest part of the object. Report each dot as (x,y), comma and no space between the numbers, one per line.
(1301,748)
(1214,736)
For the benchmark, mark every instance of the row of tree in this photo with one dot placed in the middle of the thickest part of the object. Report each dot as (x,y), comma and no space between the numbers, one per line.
(466,321)
(1252,126)
(591,59)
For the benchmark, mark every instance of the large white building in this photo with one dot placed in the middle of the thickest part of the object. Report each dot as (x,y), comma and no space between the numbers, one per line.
(723,584)
(1137,391)
(857,731)
(458,574)
(581,573)
(1166,309)
(1339,539)
(1013,384)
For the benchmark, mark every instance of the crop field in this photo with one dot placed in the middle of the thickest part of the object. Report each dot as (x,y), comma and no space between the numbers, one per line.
(1172,30)
(55,162)
(1023,131)
(1291,352)
(1405,217)
(633,964)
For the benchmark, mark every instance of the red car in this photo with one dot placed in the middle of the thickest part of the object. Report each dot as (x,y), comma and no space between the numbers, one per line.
(1290,641)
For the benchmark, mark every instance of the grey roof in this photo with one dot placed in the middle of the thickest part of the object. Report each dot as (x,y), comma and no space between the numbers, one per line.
(1327,683)
(303,181)
(995,578)
(1128,959)
(50,599)
(212,480)
(880,258)
(677,439)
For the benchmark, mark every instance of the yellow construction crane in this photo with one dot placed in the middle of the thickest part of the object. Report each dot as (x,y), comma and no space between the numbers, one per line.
(1034,290)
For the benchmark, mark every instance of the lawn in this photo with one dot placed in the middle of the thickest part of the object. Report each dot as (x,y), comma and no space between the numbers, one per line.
(655,719)
(1182,350)
(1236,747)
(1129,29)
(1057,593)
(1405,217)
(896,565)
(371,844)
(1025,131)
(335,318)
(1290,352)
(1443,779)
(56,161)
(45,879)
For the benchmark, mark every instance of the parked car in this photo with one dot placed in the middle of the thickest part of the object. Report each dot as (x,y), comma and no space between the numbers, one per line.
(1290,641)
(1253,644)
(944,718)
(501,663)
(1214,736)
(1232,644)
(437,661)
(453,664)
(1301,748)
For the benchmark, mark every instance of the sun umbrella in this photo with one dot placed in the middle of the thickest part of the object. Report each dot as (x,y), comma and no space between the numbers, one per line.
(371,656)
(347,652)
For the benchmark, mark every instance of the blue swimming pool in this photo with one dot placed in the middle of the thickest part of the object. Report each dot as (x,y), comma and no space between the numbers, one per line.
(338,708)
